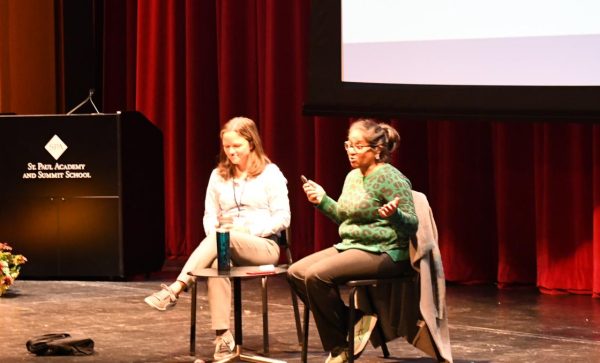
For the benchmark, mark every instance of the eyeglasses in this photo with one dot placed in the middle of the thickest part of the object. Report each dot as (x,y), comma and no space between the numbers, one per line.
(356,147)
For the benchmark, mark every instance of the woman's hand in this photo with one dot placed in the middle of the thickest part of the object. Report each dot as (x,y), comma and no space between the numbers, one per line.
(225,222)
(389,208)
(231,224)
(314,192)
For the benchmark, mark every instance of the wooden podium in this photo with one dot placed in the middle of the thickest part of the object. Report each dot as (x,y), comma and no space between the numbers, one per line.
(82,196)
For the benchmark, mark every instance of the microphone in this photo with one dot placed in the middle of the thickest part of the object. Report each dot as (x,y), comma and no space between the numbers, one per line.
(88,98)
(92,101)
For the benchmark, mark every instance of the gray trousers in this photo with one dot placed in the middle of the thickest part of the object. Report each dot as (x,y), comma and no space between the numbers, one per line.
(316,278)
(246,250)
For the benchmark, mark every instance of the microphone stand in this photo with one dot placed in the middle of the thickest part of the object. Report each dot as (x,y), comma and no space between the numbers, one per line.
(88,98)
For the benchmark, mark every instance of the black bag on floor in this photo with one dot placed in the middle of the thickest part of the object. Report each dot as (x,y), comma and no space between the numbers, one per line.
(60,344)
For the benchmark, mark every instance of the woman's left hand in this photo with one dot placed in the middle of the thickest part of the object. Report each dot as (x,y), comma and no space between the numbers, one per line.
(389,208)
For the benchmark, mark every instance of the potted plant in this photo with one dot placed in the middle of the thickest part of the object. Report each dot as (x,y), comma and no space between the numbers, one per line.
(10,266)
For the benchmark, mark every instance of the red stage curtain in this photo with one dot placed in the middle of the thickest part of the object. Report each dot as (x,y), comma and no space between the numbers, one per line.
(515,202)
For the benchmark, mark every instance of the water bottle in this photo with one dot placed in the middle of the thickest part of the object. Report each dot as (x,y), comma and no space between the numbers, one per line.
(223,254)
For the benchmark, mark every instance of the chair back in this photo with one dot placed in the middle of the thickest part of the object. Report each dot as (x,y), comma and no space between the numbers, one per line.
(284,242)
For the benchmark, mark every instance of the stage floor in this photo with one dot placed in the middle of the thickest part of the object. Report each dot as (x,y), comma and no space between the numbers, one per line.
(486,324)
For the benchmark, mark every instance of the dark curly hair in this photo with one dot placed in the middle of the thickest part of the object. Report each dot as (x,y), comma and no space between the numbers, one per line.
(381,137)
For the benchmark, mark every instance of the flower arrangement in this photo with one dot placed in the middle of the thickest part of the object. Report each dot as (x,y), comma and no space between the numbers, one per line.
(10,266)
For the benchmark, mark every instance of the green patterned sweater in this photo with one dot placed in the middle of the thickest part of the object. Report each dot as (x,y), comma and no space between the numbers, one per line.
(360,225)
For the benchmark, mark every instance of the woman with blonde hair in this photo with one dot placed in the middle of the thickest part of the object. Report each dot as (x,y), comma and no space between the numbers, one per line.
(248,193)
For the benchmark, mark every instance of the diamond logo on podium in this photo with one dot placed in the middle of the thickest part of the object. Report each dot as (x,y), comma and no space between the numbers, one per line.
(56,147)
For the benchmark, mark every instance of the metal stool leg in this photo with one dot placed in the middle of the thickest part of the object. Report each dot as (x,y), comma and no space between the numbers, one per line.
(237,310)
(193,321)
(265,315)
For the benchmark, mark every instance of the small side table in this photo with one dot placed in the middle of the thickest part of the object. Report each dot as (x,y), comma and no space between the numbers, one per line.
(236,274)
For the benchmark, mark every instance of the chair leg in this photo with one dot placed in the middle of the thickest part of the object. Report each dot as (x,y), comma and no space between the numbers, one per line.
(265,314)
(351,317)
(304,355)
(384,348)
(297,316)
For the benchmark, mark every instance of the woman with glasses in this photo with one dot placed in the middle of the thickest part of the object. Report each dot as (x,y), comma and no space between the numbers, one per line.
(249,194)
(376,217)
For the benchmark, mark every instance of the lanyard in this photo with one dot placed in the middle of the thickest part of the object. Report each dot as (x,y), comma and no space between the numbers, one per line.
(238,204)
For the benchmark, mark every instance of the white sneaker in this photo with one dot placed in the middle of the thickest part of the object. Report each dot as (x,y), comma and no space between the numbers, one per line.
(340,358)
(224,347)
(362,332)
(162,299)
